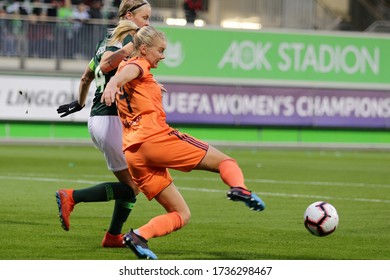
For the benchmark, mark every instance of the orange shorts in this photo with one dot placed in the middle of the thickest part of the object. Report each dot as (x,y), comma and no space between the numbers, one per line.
(149,161)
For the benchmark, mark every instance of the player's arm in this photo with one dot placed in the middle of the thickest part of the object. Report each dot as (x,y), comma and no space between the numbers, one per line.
(128,73)
(110,60)
(85,83)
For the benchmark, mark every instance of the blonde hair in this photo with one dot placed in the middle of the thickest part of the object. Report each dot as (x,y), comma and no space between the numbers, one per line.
(122,29)
(147,35)
(130,6)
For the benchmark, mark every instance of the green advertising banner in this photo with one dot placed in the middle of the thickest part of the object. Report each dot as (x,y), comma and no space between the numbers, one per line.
(331,59)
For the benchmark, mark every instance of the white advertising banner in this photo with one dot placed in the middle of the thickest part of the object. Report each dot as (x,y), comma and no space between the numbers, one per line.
(28,98)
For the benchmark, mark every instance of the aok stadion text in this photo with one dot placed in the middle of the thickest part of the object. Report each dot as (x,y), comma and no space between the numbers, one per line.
(301,57)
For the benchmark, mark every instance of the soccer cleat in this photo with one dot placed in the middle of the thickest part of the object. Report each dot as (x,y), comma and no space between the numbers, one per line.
(138,245)
(65,204)
(113,241)
(249,198)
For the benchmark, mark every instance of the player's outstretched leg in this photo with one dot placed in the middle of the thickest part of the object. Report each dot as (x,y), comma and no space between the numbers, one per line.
(249,198)
(65,204)
(138,245)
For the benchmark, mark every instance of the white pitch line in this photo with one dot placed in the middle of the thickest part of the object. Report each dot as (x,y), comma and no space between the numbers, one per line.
(40,179)
(288,182)
(297,195)
(259,181)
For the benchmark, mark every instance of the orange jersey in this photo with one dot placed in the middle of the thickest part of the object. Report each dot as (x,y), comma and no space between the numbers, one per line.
(151,146)
(140,107)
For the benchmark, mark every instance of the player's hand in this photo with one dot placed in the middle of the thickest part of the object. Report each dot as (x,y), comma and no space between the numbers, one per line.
(108,96)
(70,108)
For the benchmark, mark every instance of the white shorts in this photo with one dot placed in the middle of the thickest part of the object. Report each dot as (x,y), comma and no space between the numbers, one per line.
(106,134)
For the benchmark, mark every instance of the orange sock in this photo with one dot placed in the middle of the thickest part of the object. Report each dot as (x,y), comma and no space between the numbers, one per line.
(231,173)
(161,225)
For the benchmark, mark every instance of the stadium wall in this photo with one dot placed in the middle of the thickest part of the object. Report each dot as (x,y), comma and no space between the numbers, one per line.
(256,87)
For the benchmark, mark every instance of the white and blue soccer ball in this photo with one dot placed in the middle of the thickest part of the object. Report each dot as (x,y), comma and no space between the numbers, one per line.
(321,218)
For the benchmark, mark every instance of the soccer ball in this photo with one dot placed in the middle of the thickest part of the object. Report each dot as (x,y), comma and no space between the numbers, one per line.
(321,218)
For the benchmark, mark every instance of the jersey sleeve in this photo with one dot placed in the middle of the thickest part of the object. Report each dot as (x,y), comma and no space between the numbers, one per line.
(92,65)
(142,64)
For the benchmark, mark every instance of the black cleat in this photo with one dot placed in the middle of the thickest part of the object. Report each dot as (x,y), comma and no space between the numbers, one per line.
(249,198)
(138,245)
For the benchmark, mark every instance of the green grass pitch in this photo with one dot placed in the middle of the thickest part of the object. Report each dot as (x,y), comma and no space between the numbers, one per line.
(357,183)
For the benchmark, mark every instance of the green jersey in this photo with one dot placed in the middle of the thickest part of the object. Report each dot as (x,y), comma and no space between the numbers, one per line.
(101,79)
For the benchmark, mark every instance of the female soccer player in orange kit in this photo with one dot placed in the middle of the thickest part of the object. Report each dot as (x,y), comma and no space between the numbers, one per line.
(151,146)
